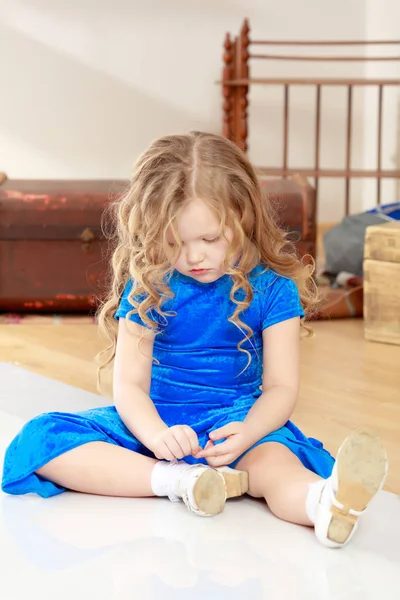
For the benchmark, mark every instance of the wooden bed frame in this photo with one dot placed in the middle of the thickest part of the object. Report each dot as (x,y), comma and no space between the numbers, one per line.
(236,82)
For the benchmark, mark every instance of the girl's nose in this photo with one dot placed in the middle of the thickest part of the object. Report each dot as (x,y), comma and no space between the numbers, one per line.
(194,256)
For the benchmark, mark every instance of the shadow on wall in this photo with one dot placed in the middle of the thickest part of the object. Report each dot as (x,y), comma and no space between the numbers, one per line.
(65,114)
(77,110)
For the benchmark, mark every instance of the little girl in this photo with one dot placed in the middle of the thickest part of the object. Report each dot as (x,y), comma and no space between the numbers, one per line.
(204,317)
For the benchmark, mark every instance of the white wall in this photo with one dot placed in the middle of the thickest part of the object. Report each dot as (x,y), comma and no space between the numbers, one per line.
(86,84)
(383,19)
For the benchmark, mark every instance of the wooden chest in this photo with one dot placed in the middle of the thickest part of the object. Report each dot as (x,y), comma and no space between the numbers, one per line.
(382,283)
(295,201)
(52,250)
(53,256)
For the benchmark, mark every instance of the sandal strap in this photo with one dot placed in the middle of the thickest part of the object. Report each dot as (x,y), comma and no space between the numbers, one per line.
(339,505)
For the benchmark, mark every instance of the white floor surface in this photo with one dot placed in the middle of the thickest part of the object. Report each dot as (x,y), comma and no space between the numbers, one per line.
(75,546)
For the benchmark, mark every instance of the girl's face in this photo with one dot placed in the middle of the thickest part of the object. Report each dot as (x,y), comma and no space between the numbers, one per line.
(204,246)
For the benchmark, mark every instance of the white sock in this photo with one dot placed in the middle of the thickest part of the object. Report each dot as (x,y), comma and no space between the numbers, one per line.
(165,478)
(319,492)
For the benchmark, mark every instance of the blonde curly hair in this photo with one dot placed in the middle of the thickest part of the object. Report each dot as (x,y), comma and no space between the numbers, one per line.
(172,171)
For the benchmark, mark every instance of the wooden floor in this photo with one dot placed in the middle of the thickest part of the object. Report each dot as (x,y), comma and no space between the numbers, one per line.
(347,382)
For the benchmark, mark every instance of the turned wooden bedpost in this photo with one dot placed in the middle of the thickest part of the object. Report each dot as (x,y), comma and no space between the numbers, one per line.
(227,90)
(242,72)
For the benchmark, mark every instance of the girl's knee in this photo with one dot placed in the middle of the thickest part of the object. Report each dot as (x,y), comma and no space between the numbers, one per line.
(54,423)
(274,452)
(37,438)
(270,467)
(46,425)
(268,454)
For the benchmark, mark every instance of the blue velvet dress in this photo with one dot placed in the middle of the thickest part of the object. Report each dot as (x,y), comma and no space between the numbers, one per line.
(199,379)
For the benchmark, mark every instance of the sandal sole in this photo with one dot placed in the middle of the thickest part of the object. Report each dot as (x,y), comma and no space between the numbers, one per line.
(361,471)
(210,493)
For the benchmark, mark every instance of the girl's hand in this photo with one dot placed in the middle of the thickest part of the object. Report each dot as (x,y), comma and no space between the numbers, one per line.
(237,442)
(175,442)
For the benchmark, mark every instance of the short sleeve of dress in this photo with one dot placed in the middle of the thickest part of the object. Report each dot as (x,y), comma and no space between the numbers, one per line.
(125,306)
(281,300)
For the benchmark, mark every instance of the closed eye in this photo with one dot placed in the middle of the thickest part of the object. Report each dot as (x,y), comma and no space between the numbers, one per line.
(211,241)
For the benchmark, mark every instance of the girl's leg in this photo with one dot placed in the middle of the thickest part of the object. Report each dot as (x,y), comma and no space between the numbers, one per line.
(332,505)
(277,475)
(108,470)
(102,468)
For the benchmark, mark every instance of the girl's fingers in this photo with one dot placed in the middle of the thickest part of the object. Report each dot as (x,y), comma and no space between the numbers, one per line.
(215,450)
(174,447)
(164,453)
(193,439)
(183,441)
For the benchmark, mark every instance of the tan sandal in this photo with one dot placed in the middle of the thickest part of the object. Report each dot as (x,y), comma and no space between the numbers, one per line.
(205,490)
(358,475)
